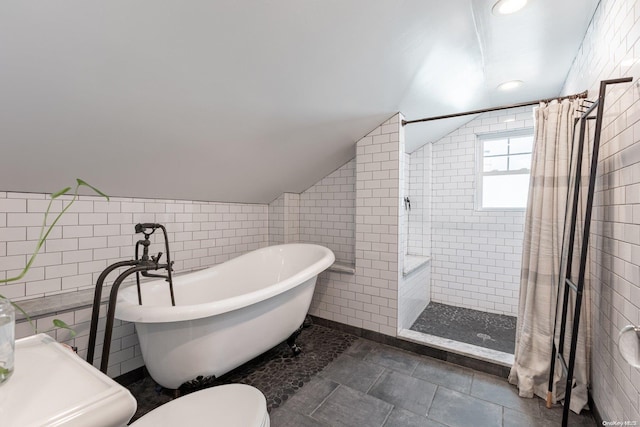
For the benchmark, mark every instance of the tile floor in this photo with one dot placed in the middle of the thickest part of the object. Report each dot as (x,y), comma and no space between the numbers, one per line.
(489,330)
(343,380)
(371,384)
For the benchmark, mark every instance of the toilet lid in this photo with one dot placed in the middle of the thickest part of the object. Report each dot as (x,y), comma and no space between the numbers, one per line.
(228,405)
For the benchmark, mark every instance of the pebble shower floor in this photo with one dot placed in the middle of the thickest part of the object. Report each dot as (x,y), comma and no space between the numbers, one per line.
(489,330)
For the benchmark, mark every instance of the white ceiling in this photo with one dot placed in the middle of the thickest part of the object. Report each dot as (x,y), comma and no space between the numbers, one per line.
(242,100)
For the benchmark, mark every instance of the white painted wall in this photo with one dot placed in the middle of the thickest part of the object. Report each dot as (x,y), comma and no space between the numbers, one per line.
(611,49)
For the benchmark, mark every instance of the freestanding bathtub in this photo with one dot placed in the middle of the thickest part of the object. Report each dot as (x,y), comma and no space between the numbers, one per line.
(224,315)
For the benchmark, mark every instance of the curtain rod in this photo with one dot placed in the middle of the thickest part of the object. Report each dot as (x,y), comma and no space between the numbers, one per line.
(503,107)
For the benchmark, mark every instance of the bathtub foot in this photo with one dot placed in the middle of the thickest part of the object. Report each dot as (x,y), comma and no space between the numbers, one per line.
(291,341)
(308,322)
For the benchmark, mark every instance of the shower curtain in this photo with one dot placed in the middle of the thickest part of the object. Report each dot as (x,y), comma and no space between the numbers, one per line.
(541,267)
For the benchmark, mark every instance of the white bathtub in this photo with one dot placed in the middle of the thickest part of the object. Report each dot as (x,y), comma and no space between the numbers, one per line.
(224,315)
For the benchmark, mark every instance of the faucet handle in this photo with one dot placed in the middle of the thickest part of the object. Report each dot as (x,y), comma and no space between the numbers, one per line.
(156,259)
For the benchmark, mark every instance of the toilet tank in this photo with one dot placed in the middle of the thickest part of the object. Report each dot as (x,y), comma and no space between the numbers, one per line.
(52,386)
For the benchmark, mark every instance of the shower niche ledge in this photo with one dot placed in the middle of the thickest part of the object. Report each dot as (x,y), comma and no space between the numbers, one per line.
(413,263)
(343,267)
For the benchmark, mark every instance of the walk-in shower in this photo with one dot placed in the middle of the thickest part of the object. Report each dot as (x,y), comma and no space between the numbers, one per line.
(464,230)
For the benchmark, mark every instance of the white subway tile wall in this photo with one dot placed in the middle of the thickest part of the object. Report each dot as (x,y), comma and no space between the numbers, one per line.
(419,193)
(414,289)
(292,218)
(414,295)
(95,233)
(368,299)
(476,254)
(404,212)
(284,219)
(327,212)
(276,220)
(611,49)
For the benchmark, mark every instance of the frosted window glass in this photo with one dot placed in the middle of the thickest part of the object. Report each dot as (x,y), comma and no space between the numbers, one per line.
(505,191)
(521,161)
(521,144)
(492,164)
(493,147)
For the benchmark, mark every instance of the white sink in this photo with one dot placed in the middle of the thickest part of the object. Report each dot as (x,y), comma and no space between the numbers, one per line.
(52,386)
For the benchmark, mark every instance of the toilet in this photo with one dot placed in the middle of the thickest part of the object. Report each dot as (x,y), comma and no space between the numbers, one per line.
(231,405)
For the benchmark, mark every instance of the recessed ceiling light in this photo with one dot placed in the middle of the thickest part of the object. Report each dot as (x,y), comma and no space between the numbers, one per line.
(510,85)
(506,7)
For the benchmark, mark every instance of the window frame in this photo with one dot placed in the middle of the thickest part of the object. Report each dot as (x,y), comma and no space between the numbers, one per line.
(480,174)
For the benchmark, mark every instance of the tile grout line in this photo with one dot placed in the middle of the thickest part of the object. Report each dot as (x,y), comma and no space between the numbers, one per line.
(414,369)
(388,415)
(324,400)
(375,381)
(432,399)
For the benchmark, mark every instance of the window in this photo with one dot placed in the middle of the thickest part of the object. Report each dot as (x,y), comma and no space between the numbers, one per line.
(504,164)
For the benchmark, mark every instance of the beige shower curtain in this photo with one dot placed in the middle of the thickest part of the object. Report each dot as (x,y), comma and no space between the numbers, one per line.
(542,248)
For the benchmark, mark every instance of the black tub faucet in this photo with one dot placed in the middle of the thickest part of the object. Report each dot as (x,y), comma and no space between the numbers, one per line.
(140,265)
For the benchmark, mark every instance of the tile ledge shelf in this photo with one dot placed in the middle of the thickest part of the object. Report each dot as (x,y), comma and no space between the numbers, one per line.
(70,301)
(58,303)
(75,300)
(414,262)
(341,267)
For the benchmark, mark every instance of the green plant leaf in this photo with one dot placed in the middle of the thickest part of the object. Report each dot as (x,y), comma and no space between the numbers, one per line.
(62,325)
(84,183)
(60,193)
(44,233)
(3,371)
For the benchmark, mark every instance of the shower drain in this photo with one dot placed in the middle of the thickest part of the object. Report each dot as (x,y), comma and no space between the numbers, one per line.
(484,337)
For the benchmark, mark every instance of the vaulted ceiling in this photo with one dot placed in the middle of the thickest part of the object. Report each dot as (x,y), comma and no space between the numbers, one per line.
(242,100)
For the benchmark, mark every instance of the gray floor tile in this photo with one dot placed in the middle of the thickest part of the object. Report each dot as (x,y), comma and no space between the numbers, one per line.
(361,348)
(498,390)
(309,397)
(461,410)
(393,358)
(404,391)
(352,372)
(350,408)
(281,417)
(513,418)
(451,376)
(554,414)
(402,418)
